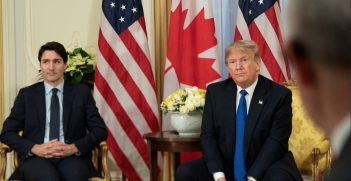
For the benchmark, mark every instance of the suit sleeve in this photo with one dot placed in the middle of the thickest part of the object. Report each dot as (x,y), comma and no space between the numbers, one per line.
(209,143)
(13,124)
(276,145)
(95,126)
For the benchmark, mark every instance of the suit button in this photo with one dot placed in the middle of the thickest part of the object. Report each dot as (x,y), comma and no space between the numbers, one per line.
(67,141)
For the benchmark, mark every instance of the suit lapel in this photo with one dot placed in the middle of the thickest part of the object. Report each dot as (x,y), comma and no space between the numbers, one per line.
(256,105)
(41,111)
(230,107)
(67,102)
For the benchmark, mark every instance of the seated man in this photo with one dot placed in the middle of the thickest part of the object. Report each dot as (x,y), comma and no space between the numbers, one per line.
(246,125)
(60,124)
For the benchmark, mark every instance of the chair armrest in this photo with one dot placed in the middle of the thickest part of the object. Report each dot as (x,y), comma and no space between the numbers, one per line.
(4,149)
(316,154)
(315,159)
(105,170)
(324,146)
(99,158)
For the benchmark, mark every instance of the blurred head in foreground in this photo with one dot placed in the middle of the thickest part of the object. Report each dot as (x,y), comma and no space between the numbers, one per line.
(319,44)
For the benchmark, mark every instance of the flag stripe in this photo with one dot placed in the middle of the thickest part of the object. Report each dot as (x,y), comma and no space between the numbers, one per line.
(138,55)
(277,25)
(128,151)
(122,117)
(139,51)
(273,21)
(128,83)
(237,35)
(137,32)
(117,154)
(121,141)
(266,54)
(281,37)
(242,27)
(122,96)
(272,41)
(142,25)
(131,73)
(125,89)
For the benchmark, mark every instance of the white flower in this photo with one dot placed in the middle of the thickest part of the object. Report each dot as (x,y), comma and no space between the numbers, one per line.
(183,109)
(185,101)
(80,67)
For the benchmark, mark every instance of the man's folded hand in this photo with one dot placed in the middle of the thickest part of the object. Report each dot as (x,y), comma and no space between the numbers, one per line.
(54,149)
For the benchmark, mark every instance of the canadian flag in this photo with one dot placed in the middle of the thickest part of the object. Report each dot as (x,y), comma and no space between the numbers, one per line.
(192,52)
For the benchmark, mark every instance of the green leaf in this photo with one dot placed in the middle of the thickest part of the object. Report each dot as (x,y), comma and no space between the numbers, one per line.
(77,78)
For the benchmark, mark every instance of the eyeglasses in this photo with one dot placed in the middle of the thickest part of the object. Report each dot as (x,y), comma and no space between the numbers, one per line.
(240,62)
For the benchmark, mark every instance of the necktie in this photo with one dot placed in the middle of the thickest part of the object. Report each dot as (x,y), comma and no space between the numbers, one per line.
(54,115)
(239,160)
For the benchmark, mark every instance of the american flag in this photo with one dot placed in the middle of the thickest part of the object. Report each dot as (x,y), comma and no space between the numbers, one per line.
(259,20)
(124,85)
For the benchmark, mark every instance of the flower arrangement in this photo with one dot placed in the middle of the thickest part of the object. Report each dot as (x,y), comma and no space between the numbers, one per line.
(185,101)
(80,67)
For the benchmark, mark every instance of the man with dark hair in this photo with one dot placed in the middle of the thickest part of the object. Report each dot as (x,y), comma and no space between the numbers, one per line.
(59,121)
(319,46)
(246,125)
(58,48)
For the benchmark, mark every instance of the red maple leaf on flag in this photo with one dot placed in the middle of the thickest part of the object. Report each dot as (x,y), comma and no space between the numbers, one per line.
(185,45)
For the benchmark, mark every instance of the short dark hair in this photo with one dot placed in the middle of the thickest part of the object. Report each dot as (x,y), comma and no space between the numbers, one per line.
(53,46)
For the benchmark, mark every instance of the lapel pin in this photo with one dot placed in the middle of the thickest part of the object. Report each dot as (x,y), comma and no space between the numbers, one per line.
(260,102)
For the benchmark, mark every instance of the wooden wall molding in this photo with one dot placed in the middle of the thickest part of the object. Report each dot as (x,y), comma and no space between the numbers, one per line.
(1,70)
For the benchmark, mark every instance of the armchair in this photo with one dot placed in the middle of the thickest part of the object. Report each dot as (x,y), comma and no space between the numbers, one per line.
(309,145)
(99,159)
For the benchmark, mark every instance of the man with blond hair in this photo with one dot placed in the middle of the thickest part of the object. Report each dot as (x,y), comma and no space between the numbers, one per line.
(246,125)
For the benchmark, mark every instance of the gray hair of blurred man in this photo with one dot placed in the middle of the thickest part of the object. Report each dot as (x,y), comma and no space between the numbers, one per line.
(242,45)
(320,31)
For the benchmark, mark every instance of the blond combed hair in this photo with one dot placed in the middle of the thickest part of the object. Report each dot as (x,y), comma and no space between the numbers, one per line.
(243,45)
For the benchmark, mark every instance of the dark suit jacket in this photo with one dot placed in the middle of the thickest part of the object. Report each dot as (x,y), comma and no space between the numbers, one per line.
(267,129)
(340,169)
(82,123)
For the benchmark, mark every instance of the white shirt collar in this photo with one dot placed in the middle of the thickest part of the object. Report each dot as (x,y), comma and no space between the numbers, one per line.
(250,90)
(48,87)
(340,134)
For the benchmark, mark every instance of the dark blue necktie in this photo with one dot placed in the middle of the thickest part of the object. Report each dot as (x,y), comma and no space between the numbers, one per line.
(54,115)
(239,160)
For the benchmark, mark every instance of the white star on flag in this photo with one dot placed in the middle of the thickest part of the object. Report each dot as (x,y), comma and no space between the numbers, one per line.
(121,19)
(112,4)
(260,1)
(123,7)
(134,9)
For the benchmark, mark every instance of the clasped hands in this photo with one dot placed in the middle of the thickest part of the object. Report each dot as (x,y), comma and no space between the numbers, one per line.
(54,149)
(223,179)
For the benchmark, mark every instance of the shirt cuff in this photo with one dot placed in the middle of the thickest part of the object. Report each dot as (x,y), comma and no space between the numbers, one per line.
(29,154)
(218,175)
(249,178)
